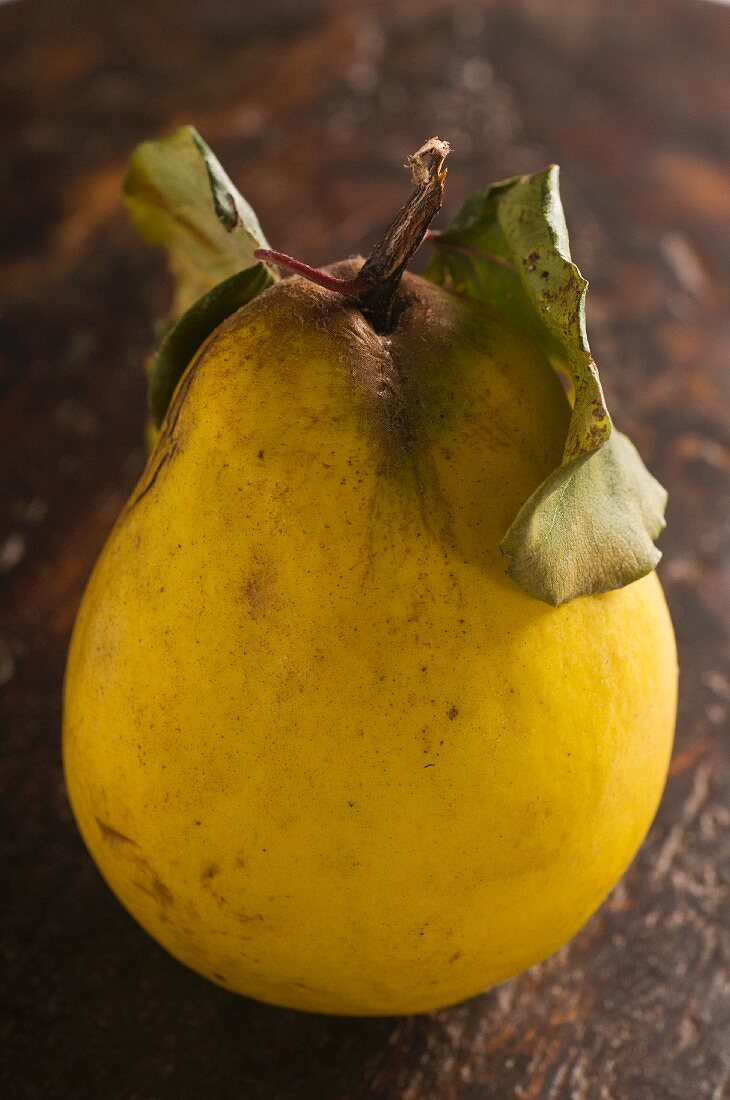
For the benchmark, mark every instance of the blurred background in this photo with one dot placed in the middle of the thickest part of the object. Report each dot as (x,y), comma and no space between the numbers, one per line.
(313,107)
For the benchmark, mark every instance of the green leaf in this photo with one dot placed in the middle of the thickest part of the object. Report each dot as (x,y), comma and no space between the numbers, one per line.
(180,198)
(195,326)
(590,526)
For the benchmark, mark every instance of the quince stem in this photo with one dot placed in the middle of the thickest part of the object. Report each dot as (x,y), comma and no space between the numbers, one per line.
(375,287)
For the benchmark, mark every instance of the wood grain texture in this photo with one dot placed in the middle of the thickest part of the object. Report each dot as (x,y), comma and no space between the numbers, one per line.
(312,107)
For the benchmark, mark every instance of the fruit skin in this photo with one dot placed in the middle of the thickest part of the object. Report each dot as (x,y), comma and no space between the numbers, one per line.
(317,742)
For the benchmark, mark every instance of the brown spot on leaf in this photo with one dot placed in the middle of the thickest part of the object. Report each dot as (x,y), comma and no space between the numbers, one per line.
(452,713)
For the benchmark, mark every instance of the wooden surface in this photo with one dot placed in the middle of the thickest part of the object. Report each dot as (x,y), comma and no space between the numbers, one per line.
(312,107)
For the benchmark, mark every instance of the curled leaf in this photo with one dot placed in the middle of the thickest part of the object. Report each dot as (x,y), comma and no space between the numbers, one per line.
(180,198)
(590,526)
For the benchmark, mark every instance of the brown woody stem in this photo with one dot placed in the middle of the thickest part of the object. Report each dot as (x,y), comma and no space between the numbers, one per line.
(376,285)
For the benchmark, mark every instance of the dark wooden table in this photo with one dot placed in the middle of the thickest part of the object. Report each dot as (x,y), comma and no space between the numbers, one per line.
(313,107)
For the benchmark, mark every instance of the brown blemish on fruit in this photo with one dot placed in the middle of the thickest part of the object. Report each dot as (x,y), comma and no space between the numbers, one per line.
(259,592)
(206,878)
(209,873)
(156,888)
(167,451)
(304,987)
(163,895)
(248,918)
(113,837)
(167,445)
